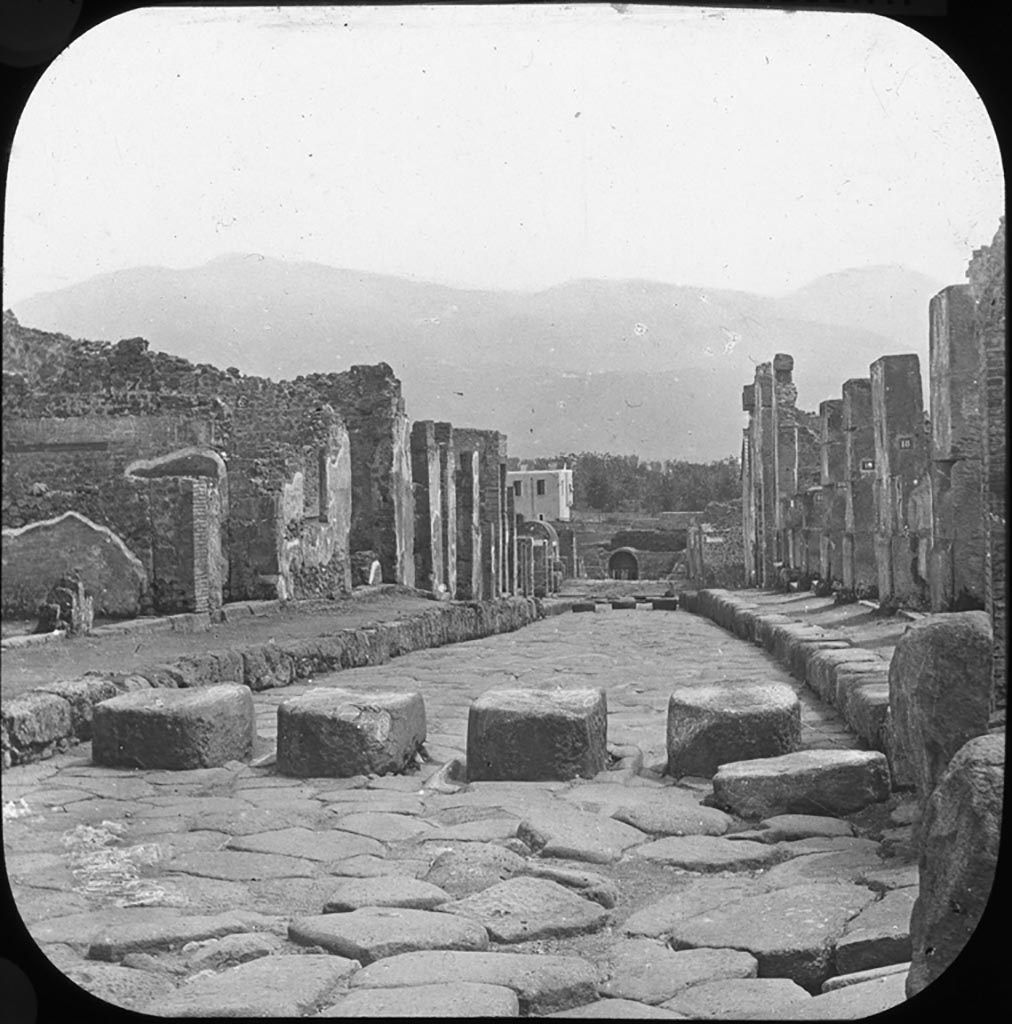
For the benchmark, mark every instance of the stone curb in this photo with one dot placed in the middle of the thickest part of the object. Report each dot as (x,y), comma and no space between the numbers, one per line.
(40,722)
(802,649)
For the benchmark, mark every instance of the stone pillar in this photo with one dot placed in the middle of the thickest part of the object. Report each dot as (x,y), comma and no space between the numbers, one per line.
(511,542)
(901,486)
(448,504)
(808,497)
(748,494)
(525,565)
(986,275)
(860,575)
(468,525)
(785,452)
(763,474)
(425,474)
(834,492)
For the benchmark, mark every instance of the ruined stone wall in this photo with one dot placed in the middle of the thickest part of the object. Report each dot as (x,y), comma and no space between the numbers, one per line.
(716,546)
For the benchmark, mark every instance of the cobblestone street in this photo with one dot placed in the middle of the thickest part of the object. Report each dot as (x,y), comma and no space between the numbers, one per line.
(204,892)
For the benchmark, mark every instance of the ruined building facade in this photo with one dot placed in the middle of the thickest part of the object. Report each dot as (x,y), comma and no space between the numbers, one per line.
(172,487)
(879,494)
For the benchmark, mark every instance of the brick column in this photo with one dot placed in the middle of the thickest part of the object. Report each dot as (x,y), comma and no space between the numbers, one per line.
(860,575)
(425,474)
(958,525)
(901,466)
(443,434)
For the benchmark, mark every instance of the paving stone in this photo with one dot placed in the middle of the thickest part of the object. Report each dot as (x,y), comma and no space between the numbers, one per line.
(830,844)
(661,916)
(577,835)
(617,1009)
(237,866)
(879,935)
(386,828)
(272,986)
(113,941)
(712,724)
(739,999)
(337,733)
(303,842)
(522,909)
(841,866)
(121,986)
(790,931)
(709,853)
(588,884)
(464,999)
(673,814)
(473,867)
(374,933)
(855,1002)
(788,827)
(820,782)
(843,980)
(231,950)
(391,891)
(537,735)
(649,972)
(386,803)
(247,821)
(543,983)
(175,729)
(369,866)
(482,831)
(899,876)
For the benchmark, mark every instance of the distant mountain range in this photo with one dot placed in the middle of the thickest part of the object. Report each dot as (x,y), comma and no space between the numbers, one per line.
(622,366)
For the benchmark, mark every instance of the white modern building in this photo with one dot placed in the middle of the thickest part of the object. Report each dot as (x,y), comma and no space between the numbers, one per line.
(542,495)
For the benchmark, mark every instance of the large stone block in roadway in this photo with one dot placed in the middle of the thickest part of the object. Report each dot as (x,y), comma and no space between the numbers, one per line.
(820,782)
(542,983)
(337,734)
(710,725)
(525,908)
(175,729)
(791,932)
(464,999)
(537,735)
(374,933)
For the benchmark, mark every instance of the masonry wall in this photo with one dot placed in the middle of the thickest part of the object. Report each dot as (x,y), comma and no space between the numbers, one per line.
(860,576)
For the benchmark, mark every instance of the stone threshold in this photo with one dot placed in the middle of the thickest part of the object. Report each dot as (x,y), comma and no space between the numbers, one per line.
(37,724)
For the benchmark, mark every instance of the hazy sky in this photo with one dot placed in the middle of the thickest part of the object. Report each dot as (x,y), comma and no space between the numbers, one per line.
(511,147)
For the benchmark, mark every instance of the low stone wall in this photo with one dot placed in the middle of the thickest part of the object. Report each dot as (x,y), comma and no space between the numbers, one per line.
(37,724)
(854,680)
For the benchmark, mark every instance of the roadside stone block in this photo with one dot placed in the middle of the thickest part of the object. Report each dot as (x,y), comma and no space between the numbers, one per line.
(854,1002)
(462,999)
(868,711)
(543,983)
(820,782)
(711,725)
(31,724)
(175,729)
(577,835)
(82,695)
(337,734)
(824,663)
(537,735)
(373,933)
(664,604)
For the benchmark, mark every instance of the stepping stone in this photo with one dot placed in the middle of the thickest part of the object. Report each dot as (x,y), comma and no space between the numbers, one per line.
(522,909)
(879,935)
(174,729)
(587,884)
(820,782)
(338,734)
(121,986)
(842,866)
(663,915)
(669,813)
(395,891)
(577,835)
(617,1009)
(624,605)
(386,828)
(304,842)
(791,932)
(585,606)
(272,986)
(858,977)
(664,604)
(473,867)
(713,724)
(739,999)
(648,972)
(855,1002)
(709,853)
(788,827)
(374,933)
(542,983)
(146,931)
(533,735)
(236,866)
(463,999)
